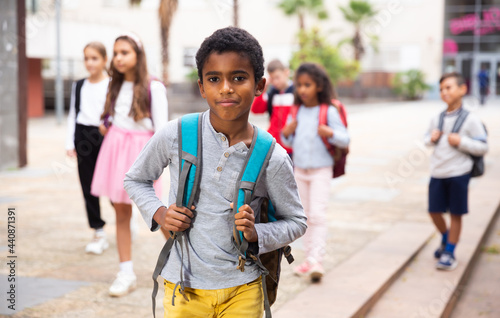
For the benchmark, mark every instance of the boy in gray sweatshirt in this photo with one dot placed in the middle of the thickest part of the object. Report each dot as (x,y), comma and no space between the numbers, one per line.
(230,68)
(451,164)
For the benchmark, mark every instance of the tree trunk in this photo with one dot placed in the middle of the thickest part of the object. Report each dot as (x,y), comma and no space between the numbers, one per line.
(359,49)
(235,14)
(166,12)
(302,25)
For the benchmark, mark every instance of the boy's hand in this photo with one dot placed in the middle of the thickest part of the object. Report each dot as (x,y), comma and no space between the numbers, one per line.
(454,139)
(174,219)
(290,128)
(103,130)
(325,131)
(245,222)
(435,134)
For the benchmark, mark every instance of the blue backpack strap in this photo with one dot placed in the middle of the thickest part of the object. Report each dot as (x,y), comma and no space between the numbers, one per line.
(190,150)
(189,154)
(255,163)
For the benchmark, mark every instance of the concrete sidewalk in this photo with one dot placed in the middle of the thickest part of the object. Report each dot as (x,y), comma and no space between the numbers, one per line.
(386,183)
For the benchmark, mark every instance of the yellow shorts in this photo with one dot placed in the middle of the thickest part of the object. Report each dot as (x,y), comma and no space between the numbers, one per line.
(241,301)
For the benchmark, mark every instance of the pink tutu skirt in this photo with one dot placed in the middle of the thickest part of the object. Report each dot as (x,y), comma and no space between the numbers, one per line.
(118,152)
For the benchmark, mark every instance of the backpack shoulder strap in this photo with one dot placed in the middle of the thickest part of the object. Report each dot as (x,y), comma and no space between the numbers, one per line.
(323,114)
(294,111)
(341,109)
(460,120)
(440,124)
(441,120)
(78,90)
(190,151)
(255,164)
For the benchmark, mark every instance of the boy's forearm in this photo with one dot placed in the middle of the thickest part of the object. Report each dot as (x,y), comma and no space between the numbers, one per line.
(144,196)
(159,215)
(292,222)
(427,141)
(473,146)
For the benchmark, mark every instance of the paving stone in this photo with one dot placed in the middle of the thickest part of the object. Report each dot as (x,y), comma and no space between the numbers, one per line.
(32,291)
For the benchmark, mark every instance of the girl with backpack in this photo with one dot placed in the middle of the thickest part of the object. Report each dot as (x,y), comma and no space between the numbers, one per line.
(136,106)
(312,161)
(83,139)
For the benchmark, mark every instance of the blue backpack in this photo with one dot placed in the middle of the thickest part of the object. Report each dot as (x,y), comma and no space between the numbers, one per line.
(190,154)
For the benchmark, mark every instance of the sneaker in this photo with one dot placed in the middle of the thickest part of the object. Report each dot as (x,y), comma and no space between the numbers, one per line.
(447,262)
(98,245)
(123,284)
(439,251)
(316,273)
(302,269)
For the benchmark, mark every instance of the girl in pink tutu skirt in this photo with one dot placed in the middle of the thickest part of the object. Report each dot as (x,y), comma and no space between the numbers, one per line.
(136,106)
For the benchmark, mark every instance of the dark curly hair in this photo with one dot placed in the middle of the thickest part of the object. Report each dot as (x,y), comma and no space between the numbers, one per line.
(319,75)
(232,39)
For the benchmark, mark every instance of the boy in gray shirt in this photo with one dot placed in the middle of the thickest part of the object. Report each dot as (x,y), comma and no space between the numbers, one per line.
(451,164)
(230,68)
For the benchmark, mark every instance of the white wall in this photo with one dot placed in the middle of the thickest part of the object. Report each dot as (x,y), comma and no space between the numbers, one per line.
(410,31)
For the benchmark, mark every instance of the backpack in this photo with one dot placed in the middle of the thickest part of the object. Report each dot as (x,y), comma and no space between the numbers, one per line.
(478,161)
(190,153)
(339,155)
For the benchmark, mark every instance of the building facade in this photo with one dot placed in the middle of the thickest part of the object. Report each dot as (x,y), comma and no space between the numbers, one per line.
(404,41)
(472,41)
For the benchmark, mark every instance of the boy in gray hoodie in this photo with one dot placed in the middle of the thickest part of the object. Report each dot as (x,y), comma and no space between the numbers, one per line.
(451,164)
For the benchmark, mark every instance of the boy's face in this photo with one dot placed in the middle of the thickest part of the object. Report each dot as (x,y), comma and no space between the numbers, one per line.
(450,91)
(279,79)
(229,85)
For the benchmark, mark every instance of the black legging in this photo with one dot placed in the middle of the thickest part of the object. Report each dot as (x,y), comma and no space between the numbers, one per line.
(88,141)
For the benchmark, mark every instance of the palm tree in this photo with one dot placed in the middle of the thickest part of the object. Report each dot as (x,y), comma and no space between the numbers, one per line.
(303,7)
(358,13)
(166,13)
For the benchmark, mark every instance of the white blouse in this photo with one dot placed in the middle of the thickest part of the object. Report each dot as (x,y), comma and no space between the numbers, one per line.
(159,108)
(92,100)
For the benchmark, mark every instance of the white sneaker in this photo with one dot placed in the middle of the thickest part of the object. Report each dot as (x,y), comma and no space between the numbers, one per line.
(98,245)
(123,284)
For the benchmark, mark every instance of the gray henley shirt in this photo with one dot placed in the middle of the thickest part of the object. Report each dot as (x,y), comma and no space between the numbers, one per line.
(210,259)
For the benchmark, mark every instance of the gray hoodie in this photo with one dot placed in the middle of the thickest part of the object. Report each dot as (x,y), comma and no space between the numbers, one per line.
(448,161)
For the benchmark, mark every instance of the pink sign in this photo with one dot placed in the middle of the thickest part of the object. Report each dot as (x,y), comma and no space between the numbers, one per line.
(449,47)
(473,22)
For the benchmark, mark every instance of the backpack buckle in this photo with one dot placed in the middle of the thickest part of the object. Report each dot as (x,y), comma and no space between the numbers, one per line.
(241,263)
(287,250)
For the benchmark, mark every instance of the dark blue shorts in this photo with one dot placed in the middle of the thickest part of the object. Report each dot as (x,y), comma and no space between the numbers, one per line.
(449,194)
